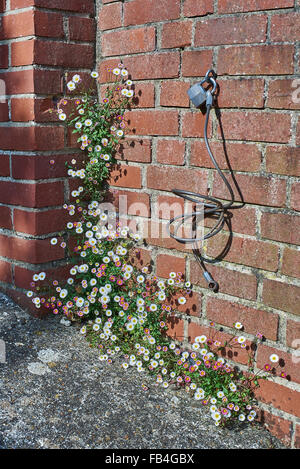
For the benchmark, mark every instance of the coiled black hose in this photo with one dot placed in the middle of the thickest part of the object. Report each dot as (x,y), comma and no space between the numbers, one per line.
(210,206)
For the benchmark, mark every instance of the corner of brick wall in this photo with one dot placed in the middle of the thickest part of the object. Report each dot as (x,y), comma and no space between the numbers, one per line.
(167,46)
(41,43)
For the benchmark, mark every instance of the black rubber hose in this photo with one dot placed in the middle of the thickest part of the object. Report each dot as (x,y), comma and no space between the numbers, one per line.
(210,207)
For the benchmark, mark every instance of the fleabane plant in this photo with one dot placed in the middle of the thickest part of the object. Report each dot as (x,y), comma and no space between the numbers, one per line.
(124,311)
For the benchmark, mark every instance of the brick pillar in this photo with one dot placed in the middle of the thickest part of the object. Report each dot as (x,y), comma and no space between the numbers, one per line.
(41,43)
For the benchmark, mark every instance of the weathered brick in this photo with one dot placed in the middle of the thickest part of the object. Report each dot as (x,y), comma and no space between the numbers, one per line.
(40,223)
(241,92)
(110,16)
(176,34)
(234,6)
(254,320)
(131,41)
(167,178)
(283,160)
(231,30)
(166,264)
(31,195)
(126,176)
(33,251)
(158,65)
(170,151)
(250,161)
(285,27)
(193,125)
(293,334)
(32,138)
(277,426)
(232,282)
(196,63)
(41,166)
(152,122)
(135,149)
(4,116)
(192,8)
(257,126)
(281,227)
(283,94)
(82,29)
(3,56)
(5,272)
(80,6)
(283,296)
(291,262)
(256,60)
(147,11)
(174,94)
(131,202)
(5,218)
(4,165)
(280,397)
(295,196)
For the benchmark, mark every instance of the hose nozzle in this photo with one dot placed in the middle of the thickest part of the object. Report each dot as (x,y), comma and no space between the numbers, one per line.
(213,285)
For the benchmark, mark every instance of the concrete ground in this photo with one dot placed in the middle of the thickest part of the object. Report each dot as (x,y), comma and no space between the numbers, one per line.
(56,394)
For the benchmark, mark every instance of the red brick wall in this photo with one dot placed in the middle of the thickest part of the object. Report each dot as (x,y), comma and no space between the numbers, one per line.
(40,42)
(167,45)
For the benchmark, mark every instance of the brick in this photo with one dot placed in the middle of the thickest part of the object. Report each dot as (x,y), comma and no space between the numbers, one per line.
(32,195)
(30,81)
(192,8)
(110,16)
(291,262)
(256,60)
(5,218)
(3,56)
(166,264)
(193,125)
(256,126)
(254,320)
(231,30)
(126,176)
(285,27)
(192,307)
(18,25)
(253,189)
(229,6)
(131,203)
(174,94)
(131,41)
(283,160)
(285,363)
(281,227)
(78,6)
(283,94)
(82,29)
(166,179)
(33,251)
(170,152)
(176,34)
(135,149)
(141,258)
(242,221)
(147,11)
(295,196)
(241,93)
(293,334)
(245,251)
(32,138)
(283,296)
(40,223)
(41,167)
(152,122)
(277,426)
(168,207)
(5,272)
(39,52)
(251,160)
(4,165)
(159,65)
(2,5)
(30,109)
(157,234)
(232,282)
(23,276)
(4,117)
(196,63)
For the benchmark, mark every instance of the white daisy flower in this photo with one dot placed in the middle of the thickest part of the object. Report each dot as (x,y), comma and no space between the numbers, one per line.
(76,79)
(94,74)
(53,241)
(62,116)
(274,358)
(71,86)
